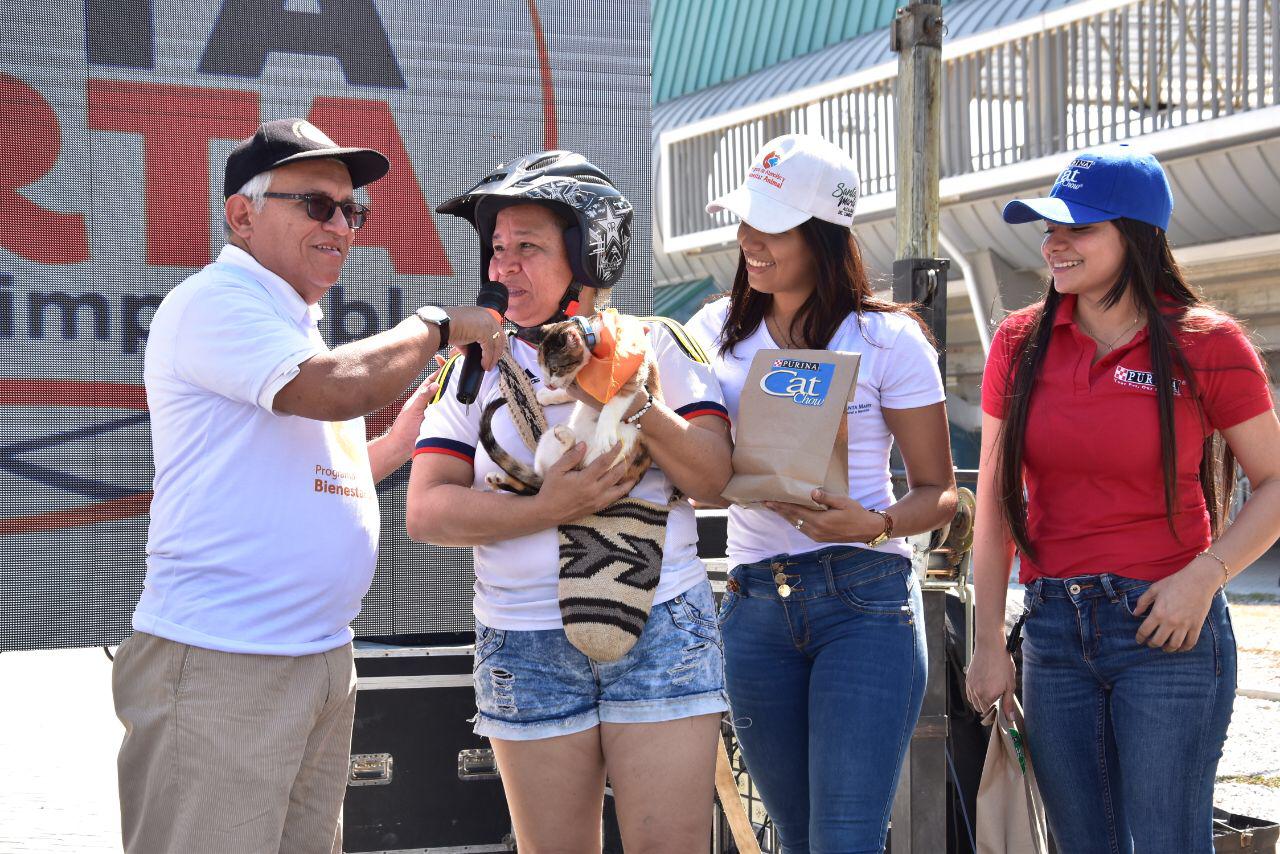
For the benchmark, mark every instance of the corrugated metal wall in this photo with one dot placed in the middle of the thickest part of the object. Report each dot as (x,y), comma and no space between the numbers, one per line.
(699,43)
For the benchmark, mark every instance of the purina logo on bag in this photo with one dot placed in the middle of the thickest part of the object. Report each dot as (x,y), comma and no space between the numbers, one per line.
(806,383)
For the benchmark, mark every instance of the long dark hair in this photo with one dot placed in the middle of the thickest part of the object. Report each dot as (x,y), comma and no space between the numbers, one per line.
(842,288)
(1152,279)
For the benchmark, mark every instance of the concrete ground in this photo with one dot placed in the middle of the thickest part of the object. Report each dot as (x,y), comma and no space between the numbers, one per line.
(59,735)
(1249,773)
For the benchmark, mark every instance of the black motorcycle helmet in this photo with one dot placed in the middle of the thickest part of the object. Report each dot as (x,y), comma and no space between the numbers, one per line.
(599,239)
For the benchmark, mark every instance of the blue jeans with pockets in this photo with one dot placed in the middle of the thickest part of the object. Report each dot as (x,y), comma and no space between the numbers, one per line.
(825,688)
(1125,738)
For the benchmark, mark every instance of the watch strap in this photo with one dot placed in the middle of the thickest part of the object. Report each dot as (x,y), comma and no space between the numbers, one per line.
(433,315)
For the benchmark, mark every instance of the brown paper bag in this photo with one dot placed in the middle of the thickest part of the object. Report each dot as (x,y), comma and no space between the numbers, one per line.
(1010,813)
(790,437)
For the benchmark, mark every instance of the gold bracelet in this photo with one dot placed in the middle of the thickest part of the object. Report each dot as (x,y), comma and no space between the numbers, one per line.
(1226,571)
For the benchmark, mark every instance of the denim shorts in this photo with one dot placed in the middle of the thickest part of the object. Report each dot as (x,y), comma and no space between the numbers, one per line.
(535,684)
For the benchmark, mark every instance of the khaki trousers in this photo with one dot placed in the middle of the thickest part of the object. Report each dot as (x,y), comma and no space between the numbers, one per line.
(227,753)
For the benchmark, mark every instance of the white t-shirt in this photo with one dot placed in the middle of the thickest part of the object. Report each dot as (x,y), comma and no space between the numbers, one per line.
(898,370)
(264,527)
(517,579)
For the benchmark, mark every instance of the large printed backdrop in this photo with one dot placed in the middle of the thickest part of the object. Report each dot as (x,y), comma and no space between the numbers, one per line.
(116,117)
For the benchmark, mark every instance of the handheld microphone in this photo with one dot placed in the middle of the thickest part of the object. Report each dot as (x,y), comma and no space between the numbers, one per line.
(493,296)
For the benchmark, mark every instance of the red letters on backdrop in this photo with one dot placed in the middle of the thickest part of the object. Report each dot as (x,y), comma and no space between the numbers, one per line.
(176,124)
(31,140)
(400,221)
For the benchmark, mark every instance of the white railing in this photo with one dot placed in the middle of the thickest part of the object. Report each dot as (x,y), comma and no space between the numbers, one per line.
(1087,74)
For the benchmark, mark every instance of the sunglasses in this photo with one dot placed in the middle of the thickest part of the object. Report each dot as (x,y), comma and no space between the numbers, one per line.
(320,207)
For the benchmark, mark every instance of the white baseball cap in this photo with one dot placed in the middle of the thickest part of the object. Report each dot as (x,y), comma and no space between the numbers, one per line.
(794,178)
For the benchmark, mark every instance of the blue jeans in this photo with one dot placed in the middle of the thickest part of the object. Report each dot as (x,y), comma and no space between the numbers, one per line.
(1125,738)
(825,688)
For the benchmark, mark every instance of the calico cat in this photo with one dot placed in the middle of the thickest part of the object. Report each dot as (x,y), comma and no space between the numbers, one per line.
(562,353)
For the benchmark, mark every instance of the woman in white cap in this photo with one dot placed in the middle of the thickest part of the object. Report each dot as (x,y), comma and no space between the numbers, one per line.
(1108,402)
(824,651)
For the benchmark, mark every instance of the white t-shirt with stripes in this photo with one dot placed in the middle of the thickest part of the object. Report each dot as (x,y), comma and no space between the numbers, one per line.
(517,579)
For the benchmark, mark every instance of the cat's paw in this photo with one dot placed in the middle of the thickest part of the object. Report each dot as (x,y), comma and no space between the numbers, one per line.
(548,396)
(563,435)
(495,481)
(600,445)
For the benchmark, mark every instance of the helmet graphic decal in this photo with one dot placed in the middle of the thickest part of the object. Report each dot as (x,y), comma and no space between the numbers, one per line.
(569,192)
(610,239)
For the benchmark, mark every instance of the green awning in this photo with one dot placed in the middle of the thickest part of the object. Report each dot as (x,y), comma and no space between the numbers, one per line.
(682,300)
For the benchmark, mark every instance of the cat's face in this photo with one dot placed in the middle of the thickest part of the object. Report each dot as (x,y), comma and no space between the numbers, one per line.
(562,353)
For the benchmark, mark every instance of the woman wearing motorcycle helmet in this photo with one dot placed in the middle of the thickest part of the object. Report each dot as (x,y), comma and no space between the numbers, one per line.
(554,230)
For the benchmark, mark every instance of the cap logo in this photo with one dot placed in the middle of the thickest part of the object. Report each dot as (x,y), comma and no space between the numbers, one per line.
(1070,178)
(306,130)
(846,199)
(764,172)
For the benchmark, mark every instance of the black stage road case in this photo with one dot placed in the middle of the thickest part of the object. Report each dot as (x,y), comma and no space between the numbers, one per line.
(420,780)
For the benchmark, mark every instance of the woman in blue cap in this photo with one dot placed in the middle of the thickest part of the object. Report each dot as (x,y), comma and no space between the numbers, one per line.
(1120,403)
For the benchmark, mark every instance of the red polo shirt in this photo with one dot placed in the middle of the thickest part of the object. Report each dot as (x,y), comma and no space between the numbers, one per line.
(1095,493)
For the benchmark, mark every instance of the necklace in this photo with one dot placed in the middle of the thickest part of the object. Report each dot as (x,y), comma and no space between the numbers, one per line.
(784,341)
(1110,345)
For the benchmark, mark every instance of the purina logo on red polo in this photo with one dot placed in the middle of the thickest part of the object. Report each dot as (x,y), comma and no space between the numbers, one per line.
(770,160)
(1144,380)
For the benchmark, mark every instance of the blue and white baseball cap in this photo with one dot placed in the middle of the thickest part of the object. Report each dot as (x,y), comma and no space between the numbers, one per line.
(1101,184)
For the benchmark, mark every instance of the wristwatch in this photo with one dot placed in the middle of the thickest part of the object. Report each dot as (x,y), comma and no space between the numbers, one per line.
(882,537)
(434,314)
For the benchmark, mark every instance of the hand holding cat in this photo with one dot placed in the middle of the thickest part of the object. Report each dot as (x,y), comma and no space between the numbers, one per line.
(569,494)
(408,421)
(843,521)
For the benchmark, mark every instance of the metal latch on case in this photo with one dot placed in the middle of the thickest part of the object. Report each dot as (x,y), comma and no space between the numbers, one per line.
(477,764)
(370,769)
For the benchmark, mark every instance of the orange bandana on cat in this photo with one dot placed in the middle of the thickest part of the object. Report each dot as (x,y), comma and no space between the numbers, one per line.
(616,356)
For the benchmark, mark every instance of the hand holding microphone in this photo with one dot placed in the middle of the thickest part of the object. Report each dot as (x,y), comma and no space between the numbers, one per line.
(484,353)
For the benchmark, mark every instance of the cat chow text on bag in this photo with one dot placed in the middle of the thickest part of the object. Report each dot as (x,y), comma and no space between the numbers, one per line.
(788,437)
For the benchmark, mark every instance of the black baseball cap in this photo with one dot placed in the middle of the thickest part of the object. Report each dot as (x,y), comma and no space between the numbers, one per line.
(284,141)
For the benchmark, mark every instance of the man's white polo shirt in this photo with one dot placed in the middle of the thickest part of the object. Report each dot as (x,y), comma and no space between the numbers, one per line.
(264,527)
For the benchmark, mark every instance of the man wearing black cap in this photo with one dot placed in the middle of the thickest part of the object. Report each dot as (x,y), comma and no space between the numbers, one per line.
(237,688)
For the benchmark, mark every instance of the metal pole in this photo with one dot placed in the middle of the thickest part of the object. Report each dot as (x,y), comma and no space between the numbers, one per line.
(920,808)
